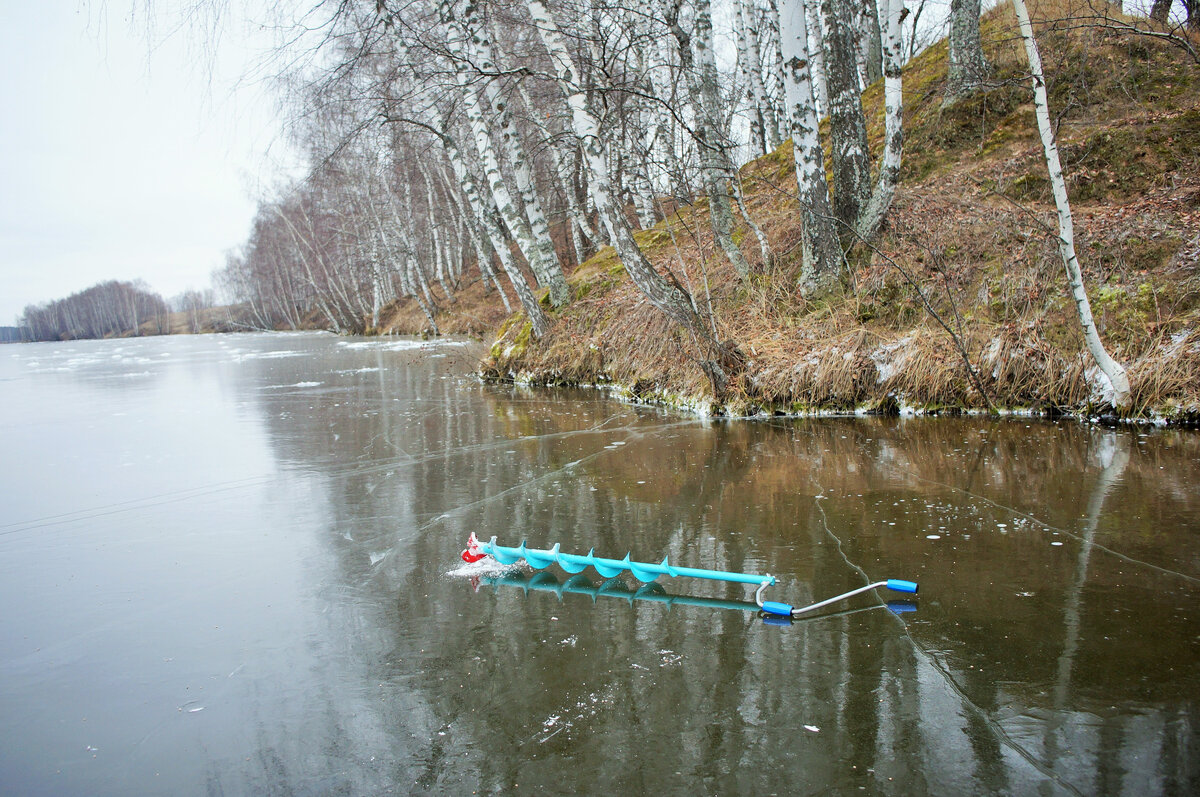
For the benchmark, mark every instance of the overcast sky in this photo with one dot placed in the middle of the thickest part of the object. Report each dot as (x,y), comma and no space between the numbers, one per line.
(122,155)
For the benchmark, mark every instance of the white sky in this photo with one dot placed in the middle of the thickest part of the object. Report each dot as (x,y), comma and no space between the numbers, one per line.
(119,157)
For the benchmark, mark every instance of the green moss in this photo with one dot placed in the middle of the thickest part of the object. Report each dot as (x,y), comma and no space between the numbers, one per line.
(1126,161)
(521,341)
(652,240)
(581,289)
(1029,186)
(498,350)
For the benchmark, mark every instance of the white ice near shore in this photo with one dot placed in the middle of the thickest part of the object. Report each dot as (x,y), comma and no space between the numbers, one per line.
(271,355)
(403,344)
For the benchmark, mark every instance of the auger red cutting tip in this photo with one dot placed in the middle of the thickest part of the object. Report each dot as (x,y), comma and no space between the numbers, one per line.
(472,554)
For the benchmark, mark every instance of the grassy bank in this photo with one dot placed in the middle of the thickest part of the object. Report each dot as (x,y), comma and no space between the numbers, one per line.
(970,241)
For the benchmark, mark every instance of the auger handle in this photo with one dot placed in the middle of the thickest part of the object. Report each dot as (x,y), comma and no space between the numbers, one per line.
(787,610)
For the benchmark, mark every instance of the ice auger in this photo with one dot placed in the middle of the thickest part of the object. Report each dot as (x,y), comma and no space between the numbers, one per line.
(647,572)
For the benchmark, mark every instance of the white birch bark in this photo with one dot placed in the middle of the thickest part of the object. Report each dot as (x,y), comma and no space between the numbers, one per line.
(752,64)
(484,253)
(847,125)
(503,198)
(758,122)
(967,67)
(317,289)
(774,65)
(871,219)
(1113,371)
(816,52)
(645,137)
(821,253)
(435,231)
(870,41)
(412,263)
(664,80)
(708,134)
(510,140)
(580,227)
(488,222)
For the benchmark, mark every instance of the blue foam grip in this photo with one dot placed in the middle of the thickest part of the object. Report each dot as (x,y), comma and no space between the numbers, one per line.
(897,585)
(775,607)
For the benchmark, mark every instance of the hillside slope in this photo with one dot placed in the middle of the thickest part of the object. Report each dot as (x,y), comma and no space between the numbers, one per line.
(970,239)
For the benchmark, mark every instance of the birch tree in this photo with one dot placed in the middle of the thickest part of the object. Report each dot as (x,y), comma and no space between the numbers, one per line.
(870,41)
(487,221)
(967,68)
(764,128)
(547,266)
(517,225)
(847,125)
(816,52)
(871,219)
(821,252)
(699,66)
(1112,370)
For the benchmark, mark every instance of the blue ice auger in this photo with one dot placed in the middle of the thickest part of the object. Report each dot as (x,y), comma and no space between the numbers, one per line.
(647,572)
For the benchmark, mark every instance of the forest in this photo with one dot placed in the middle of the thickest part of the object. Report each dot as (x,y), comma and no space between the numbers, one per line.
(751,206)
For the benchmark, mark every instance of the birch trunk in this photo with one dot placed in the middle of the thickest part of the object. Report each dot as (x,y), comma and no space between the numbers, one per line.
(847,125)
(580,227)
(708,137)
(664,80)
(484,253)
(775,67)
(870,40)
(821,253)
(492,227)
(416,274)
(967,67)
(1113,371)
(763,125)
(318,292)
(873,215)
(510,140)
(505,203)
(816,52)
(435,231)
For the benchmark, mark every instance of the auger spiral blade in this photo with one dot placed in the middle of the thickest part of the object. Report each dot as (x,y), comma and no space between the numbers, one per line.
(646,572)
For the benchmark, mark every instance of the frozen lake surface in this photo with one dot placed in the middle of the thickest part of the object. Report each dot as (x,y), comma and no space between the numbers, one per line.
(229,565)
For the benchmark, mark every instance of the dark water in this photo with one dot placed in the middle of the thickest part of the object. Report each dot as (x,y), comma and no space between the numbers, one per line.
(227,566)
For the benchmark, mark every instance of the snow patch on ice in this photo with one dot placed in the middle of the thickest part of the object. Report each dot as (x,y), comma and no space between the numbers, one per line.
(297,384)
(484,567)
(271,355)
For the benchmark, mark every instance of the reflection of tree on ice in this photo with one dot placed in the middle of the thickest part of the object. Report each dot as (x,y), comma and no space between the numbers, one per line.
(1114,453)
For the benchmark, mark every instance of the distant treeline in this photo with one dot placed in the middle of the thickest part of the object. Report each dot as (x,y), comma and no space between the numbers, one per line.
(105,310)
